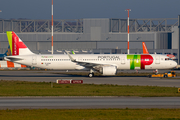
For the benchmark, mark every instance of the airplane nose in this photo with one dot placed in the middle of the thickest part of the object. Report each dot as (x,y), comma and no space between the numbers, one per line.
(174,64)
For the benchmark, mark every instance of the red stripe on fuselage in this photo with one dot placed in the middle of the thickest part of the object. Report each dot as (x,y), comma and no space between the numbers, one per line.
(146,60)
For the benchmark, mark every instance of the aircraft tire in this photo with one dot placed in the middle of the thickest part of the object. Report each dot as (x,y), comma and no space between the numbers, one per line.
(90,75)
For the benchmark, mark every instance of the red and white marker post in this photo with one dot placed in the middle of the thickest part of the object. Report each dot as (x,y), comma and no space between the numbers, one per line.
(128,30)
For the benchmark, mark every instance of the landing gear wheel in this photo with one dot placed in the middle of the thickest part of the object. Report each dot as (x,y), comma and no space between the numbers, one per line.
(156,71)
(165,76)
(90,75)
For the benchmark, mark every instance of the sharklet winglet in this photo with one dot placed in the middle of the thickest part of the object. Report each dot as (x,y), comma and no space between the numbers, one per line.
(71,58)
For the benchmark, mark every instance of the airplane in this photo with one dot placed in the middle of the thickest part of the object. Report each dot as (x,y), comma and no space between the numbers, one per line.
(107,65)
(8,64)
(7,53)
(145,50)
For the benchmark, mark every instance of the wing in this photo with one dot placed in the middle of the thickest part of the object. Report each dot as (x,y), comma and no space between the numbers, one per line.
(93,65)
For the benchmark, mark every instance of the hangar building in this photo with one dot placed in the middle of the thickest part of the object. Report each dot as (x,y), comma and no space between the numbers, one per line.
(103,35)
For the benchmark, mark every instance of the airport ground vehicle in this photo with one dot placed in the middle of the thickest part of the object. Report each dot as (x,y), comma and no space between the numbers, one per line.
(168,74)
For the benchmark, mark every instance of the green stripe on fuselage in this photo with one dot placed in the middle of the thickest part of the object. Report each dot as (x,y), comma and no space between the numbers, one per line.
(135,61)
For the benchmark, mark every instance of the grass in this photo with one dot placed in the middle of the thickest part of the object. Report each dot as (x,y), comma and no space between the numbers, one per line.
(90,114)
(24,88)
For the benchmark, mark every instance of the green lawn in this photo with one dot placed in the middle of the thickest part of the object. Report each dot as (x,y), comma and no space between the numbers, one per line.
(91,114)
(23,88)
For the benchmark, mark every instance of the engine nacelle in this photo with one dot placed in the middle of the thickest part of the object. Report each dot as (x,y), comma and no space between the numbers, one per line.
(108,70)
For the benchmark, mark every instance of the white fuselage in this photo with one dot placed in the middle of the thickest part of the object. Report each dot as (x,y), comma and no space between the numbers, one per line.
(121,61)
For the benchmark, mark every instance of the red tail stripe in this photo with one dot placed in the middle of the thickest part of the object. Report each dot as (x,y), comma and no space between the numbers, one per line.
(145,51)
(16,44)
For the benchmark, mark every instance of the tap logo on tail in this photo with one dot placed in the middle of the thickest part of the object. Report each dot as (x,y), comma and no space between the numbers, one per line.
(16,44)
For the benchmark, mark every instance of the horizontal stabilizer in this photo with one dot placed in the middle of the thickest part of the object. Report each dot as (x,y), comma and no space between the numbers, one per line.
(12,58)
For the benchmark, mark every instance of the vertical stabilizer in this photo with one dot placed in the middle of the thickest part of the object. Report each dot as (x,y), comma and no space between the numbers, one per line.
(7,53)
(16,44)
(145,50)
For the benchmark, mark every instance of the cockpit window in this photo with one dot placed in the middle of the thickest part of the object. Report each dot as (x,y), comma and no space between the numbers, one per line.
(168,59)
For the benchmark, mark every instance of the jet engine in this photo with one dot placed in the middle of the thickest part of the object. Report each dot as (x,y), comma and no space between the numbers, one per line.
(108,70)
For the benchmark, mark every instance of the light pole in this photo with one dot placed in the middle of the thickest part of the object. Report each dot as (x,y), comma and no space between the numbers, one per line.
(52,28)
(128,30)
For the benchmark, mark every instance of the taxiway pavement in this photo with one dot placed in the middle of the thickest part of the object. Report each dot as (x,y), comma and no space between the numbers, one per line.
(88,102)
(49,76)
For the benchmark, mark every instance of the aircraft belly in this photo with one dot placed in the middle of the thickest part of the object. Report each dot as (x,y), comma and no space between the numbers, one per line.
(24,62)
(66,65)
(155,66)
(124,66)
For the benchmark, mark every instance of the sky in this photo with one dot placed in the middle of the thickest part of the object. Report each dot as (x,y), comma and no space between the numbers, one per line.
(77,9)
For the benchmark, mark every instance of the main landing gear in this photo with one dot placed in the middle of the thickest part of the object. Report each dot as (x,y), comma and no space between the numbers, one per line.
(156,71)
(91,74)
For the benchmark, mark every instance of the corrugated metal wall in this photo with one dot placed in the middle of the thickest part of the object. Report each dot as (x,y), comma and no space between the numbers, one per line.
(95,35)
(164,41)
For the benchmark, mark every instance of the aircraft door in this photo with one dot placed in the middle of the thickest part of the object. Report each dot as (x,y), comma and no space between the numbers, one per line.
(122,60)
(80,58)
(157,60)
(34,60)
